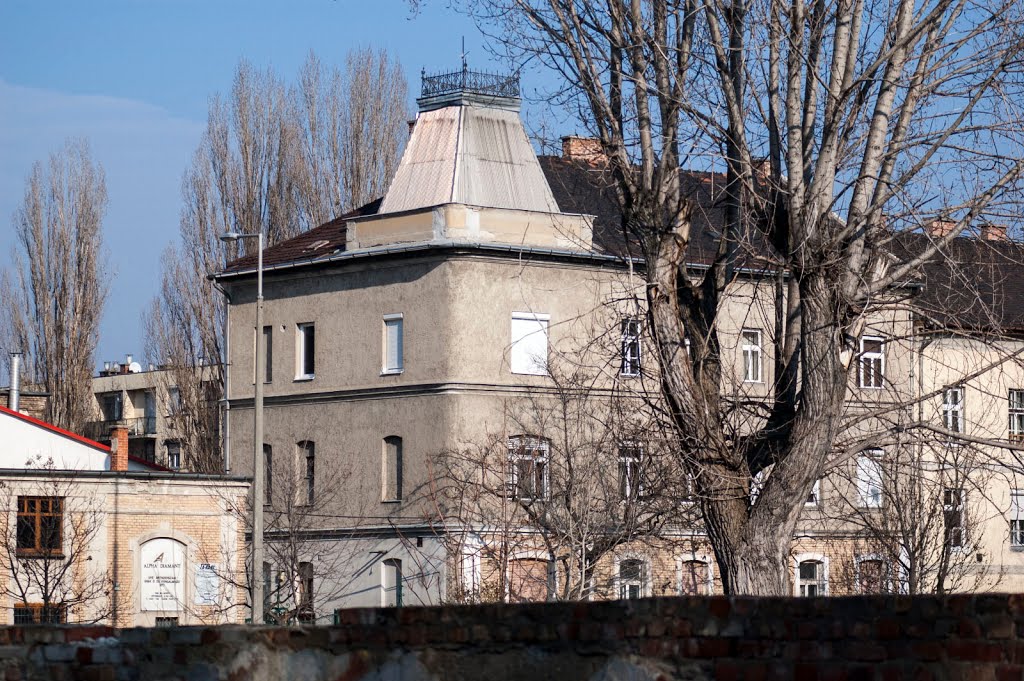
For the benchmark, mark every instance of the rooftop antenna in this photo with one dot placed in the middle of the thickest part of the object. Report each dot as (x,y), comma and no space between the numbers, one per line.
(465,66)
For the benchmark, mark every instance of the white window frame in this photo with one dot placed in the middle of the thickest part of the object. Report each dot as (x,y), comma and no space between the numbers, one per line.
(1017,519)
(866,361)
(953,409)
(300,351)
(870,485)
(822,581)
(709,586)
(814,500)
(947,507)
(631,456)
(393,320)
(753,356)
(529,365)
(522,447)
(645,577)
(887,580)
(1015,411)
(174,466)
(632,347)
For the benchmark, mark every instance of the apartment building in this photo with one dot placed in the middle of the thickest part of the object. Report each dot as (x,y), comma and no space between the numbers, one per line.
(147,402)
(434,337)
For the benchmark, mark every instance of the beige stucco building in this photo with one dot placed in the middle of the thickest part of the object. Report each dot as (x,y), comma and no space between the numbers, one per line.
(96,535)
(436,330)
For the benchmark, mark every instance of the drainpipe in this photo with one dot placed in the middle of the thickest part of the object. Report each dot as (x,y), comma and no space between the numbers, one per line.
(14,397)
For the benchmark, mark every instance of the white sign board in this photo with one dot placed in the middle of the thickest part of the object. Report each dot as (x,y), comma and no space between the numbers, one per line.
(162,575)
(207,585)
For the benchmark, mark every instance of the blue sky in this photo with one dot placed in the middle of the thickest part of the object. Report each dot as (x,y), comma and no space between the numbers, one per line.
(134,77)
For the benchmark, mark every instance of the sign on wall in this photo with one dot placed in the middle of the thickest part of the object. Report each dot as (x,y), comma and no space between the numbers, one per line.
(207,584)
(162,575)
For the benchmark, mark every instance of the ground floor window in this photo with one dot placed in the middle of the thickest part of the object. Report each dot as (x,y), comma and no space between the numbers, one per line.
(37,613)
(811,576)
(632,578)
(872,576)
(528,580)
(694,578)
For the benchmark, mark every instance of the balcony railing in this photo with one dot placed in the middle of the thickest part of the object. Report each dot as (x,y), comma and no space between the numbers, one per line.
(470,81)
(143,425)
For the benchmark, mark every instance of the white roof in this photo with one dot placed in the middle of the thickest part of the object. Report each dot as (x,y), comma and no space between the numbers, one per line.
(469,153)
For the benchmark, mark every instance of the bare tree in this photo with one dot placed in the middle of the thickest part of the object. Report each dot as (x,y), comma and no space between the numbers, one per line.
(871,116)
(54,298)
(50,532)
(276,159)
(579,472)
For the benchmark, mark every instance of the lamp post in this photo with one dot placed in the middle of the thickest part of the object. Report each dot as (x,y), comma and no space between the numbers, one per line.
(258,467)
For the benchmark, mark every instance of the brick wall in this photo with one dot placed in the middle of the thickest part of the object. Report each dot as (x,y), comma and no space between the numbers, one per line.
(957,637)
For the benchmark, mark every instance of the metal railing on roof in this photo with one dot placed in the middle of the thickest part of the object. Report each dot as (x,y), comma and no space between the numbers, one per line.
(478,82)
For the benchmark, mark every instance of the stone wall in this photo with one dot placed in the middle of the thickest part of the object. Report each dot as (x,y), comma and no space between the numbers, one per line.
(958,637)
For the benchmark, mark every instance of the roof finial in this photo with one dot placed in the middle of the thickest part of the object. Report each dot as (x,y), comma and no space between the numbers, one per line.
(465,64)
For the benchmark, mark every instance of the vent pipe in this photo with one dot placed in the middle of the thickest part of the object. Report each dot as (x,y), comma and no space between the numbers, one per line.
(14,397)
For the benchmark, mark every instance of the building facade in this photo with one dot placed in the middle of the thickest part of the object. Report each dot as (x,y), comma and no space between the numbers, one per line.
(460,404)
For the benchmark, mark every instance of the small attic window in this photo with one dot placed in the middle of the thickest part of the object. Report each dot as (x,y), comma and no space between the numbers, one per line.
(320,243)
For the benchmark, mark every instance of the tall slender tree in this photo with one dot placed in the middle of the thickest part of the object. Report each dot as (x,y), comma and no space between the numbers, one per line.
(55,294)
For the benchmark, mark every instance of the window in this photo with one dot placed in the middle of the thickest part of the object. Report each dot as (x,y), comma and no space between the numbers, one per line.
(391,583)
(812,578)
(112,406)
(307,464)
(173,400)
(305,366)
(953,516)
(268,592)
(1017,518)
(268,354)
(166,622)
(751,356)
(40,526)
(393,340)
(307,613)
(631,484)
(695,578)
(268,474)
(869,479)
(872,575)
(632,579)
(529,468)
(630,347)
(529,580)
(529,353)
(953,409)
(814,498)
(173,455)
(391,469)
(872,362)
(37,613)
(1017,415)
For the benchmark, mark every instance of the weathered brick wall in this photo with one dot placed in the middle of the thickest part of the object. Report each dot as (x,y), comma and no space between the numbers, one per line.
(958,637)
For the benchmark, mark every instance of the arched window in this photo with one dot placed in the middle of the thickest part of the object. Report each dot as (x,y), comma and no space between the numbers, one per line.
(694,578)
(872,575)
(307,468)
(391,583)
(529,580)
(811,575)
(632,578)
(391,469)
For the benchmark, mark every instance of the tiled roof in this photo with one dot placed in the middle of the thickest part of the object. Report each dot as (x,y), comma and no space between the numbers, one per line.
(323,240)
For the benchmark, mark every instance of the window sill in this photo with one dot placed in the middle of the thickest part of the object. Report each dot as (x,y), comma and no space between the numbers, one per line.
(32,555)
(871,387)
(308,377)
(752,382)
(391,372)
(390,501)
(625,374)
(1017,548)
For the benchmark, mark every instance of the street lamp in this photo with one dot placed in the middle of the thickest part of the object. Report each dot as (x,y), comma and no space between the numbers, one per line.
(258,468)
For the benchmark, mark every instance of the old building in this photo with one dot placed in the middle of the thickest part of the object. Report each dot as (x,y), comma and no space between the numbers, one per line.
(422,356)
(95,534)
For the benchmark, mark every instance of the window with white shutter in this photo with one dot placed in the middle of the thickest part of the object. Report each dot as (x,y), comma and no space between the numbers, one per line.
(394,338)
(529,347)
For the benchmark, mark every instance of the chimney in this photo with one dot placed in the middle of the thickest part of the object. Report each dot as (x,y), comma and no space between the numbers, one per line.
(939,227)
(586,149)
(119,448)
(993,232)
(14,397)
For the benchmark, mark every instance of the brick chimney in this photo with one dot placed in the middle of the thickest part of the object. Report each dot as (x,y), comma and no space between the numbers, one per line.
(119,448)
(992,232)
(939,227)
(583,149)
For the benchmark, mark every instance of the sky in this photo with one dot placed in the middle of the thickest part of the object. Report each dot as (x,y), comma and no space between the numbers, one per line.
(134,78)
